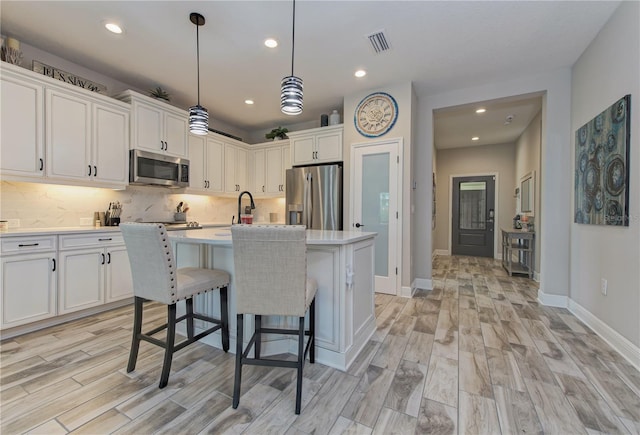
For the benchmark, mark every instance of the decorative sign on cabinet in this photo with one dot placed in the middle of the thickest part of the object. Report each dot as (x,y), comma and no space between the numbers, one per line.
(156,126)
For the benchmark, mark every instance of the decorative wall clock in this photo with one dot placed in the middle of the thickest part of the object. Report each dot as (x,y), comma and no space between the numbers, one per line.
(376,114)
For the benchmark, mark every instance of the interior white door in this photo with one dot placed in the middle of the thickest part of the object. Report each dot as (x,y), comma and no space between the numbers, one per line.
(376,205)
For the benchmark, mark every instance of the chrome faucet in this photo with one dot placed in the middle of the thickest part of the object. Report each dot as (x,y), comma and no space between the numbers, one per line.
(253,205)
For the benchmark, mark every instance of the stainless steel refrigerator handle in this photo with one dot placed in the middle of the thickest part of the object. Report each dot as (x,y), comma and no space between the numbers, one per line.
(308,206)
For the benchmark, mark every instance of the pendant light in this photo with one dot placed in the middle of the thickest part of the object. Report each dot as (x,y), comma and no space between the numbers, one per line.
(198,115)
(291,87)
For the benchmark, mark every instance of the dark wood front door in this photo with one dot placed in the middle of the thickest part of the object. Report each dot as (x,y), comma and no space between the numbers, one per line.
(473,216)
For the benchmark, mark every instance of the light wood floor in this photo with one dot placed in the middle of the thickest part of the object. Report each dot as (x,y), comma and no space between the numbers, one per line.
(476,355)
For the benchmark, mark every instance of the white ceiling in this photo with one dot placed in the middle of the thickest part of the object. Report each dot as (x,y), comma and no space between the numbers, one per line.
(437,45)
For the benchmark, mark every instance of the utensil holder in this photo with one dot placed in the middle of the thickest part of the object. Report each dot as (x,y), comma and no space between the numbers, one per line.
(180,217)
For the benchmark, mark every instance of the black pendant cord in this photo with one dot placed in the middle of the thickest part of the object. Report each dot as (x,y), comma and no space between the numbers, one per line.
(293,36)
(198,57)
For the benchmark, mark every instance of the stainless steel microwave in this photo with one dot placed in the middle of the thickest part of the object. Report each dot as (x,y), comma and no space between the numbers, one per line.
(157,169)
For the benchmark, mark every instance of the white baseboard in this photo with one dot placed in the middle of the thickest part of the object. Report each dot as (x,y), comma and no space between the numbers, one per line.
(423,283)
(627,349)
(536,276)
(441,252)
(407,292)
(552,300)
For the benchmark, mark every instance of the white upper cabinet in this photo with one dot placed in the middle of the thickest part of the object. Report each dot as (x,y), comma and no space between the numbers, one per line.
(156,126)
(87,140)
(22,125)
(86,134)
(206,170)
(318,145)
(268,169)
(235,168)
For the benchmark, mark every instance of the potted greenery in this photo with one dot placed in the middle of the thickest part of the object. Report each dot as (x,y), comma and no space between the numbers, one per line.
(277,133)
(159,94)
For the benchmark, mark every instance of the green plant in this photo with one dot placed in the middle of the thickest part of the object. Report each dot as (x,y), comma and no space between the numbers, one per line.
(160,94)
(280,132)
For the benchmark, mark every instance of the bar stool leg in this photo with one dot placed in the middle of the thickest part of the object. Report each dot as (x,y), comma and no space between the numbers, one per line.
(238,375)
(312,331)
(137,330)
(300,363)
(169,344)
(258,342)
(224,317)
(189,303)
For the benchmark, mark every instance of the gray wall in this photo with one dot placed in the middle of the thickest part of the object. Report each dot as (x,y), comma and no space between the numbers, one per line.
(607,70)
(477,160)
(527,159)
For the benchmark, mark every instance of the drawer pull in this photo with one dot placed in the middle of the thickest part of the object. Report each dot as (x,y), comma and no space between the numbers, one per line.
(105,240)
(24,245)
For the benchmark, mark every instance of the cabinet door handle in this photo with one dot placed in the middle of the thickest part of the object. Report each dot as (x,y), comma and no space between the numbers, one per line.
(103,259)
(263,188)
(41,164)
(54,265)
(166,145)
(24,245)
(108,257)
(89,170)
(105,240)
(95,171)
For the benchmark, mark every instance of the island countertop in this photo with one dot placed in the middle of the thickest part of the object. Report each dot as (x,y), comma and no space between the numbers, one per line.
(222,236)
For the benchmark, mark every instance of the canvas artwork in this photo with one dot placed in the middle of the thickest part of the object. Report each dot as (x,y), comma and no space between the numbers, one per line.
(602,167)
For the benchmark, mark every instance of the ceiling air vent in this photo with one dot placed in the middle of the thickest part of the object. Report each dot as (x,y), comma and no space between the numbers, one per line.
(379,42)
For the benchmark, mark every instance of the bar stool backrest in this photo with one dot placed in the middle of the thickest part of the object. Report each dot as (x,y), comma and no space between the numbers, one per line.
(270,269)
(152,263)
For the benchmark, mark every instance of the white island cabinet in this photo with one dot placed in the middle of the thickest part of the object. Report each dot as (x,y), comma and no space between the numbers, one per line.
(343,264)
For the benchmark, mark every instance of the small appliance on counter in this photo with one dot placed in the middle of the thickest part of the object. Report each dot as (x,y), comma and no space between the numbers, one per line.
(112,215)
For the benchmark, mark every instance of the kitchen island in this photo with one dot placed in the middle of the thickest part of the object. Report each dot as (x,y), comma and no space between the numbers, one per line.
(341,261)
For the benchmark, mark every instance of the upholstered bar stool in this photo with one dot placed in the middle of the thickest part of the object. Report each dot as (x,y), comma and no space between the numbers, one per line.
(156,278)
(271,279)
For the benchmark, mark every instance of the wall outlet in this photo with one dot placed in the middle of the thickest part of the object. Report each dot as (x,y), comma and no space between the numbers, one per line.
(86,221)
(603,286)
(13,223)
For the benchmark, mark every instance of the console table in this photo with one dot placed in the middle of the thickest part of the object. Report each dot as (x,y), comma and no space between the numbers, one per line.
(523,244)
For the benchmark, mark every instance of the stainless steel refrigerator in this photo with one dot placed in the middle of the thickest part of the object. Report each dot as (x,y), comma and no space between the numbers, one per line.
(314,197)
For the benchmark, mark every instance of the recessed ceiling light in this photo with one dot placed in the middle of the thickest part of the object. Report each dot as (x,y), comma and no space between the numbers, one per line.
(113,27)
(271,43)
(475,138)
(248,102)
(481,110)
(360,73)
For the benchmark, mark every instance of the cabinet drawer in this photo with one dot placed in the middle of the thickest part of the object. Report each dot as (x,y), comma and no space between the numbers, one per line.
(73,241)
(27,244)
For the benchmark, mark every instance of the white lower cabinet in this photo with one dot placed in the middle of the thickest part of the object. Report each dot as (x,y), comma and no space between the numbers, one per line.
(94,269)
(28,288)
(81,279)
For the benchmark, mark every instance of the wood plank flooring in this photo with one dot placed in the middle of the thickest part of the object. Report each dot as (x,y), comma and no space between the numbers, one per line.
(475,355)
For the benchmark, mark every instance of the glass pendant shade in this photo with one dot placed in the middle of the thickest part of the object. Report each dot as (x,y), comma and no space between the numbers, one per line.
(291,95)
(198,120)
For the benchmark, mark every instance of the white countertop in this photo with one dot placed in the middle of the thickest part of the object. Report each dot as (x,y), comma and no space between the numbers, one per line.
(212,234)
(222,236)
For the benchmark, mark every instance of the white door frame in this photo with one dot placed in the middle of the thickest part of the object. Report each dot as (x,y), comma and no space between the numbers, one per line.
(398,142)
(496,240)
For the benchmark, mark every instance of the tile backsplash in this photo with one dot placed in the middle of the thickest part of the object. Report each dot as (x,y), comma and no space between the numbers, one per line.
(47,205)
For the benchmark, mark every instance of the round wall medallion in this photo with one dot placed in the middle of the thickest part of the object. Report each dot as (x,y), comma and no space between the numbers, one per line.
(376,114)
